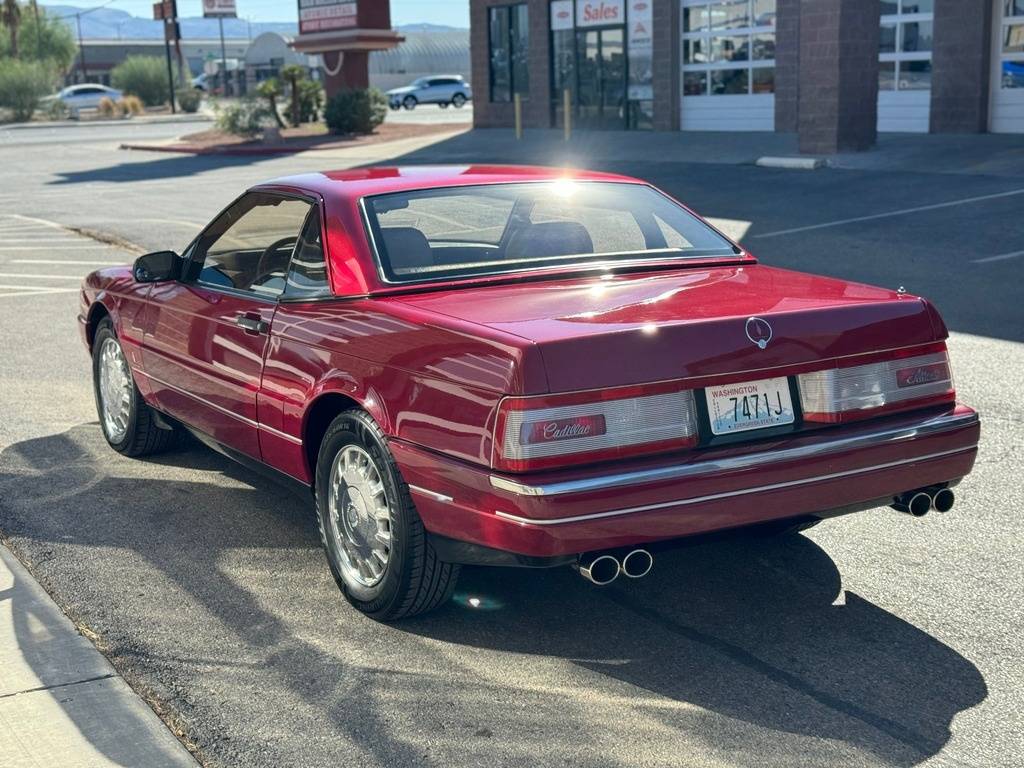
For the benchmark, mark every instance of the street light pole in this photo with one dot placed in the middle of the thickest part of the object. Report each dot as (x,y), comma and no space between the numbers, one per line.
(81,49)
(223,55)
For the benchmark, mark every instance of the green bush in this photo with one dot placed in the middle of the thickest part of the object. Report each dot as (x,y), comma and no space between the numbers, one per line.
(48,40)
(311,101)
(142,76)
(356,111)
(23,84)
(246,118)
(188,99)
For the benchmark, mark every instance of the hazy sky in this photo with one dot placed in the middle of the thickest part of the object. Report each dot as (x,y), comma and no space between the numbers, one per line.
(452,12)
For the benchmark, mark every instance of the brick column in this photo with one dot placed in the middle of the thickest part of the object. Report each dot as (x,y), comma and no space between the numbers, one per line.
(537,106)
(961,66)
(667,70)
(838,81)
(787,65)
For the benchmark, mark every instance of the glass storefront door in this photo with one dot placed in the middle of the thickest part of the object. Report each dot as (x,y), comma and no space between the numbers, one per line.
(601,79)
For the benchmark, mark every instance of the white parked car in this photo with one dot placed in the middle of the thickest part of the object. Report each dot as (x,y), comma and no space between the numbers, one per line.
(86,96)
(439,89)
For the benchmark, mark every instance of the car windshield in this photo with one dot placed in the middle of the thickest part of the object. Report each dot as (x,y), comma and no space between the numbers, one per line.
(500,228)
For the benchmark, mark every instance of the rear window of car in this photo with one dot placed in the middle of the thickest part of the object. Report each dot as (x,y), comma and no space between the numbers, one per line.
(493,229)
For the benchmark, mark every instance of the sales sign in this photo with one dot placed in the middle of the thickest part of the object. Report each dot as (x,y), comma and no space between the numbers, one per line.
(225,9)
(561,15)
(325,15)
(599,13)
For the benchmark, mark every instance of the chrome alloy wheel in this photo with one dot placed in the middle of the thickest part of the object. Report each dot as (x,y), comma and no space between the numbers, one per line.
(115,388)
(360,517)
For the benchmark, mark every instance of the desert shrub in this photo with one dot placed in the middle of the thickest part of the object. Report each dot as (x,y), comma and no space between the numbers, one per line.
(131,105)
(311,101)
(356,111)
(142,76)
(42,36)
(23,84)
(248,117)
(188,99)
(107,108)
(55,110)
(271,91)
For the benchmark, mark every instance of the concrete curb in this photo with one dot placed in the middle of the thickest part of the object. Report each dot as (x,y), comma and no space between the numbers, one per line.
(169,120)
(61,702)
(791,163)
(237,151)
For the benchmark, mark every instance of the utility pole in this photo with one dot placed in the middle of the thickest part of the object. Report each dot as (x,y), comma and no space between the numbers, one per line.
(223,55)
(81,49)
(177,44)
(160,10)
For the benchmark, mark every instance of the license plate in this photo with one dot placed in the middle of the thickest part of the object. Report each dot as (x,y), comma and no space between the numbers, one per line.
(749,405)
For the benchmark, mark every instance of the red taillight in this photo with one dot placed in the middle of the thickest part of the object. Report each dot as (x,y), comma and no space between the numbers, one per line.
(912,380)
(557,430)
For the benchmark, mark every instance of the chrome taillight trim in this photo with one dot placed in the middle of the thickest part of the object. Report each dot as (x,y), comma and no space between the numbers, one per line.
(628,421)
(860,387)
(930,426)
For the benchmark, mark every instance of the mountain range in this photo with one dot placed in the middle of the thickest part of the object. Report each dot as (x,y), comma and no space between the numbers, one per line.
(108,23)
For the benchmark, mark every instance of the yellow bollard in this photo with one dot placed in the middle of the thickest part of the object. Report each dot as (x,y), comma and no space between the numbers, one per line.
(517,101)
(567,112)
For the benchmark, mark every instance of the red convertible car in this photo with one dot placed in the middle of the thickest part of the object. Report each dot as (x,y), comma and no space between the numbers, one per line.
(520,366)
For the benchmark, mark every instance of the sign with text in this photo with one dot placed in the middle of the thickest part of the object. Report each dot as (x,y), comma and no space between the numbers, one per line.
(225,9)
(561,15)
(325,15)
(600,13)
(163,10)
(640,48)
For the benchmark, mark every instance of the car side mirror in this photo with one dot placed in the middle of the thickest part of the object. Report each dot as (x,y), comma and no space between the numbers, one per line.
(157,267)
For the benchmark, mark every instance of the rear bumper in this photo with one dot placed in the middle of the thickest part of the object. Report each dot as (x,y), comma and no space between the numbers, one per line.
(819,474)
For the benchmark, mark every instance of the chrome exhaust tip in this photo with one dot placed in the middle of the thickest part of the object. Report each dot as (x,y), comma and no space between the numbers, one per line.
(637,563)
(598,568)
(943,499)
(916,503)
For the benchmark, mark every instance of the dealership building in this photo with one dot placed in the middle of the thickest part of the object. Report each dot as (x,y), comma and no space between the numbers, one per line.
(834,71)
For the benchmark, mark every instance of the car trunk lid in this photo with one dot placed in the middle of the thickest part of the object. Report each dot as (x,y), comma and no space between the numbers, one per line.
(634,328)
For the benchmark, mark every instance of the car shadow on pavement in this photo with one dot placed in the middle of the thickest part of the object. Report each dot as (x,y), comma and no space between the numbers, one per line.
(147,168)
(206,585)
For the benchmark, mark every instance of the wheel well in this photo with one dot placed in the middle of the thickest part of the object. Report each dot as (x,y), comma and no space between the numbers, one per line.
(321,413)
(96,314)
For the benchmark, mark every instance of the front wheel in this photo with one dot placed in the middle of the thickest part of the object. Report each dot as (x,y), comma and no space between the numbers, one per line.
(409,102)
(130,426)
(458,100)
(372,535)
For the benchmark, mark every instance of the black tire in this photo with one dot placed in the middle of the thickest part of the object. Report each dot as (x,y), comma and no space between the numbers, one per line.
(458,100)
(410,102)
(144,433)
(443,104)
(394,106)
(414,580)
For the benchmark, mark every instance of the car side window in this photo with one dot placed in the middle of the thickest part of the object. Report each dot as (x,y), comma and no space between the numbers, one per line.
(307,275)
(249,247)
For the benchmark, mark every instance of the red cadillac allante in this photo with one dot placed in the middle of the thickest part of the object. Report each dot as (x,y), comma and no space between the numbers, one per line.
(520,366)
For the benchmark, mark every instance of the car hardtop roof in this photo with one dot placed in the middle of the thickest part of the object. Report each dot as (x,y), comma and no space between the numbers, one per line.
(352,184)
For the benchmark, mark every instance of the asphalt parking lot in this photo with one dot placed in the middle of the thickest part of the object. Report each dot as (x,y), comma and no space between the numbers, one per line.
(874,639)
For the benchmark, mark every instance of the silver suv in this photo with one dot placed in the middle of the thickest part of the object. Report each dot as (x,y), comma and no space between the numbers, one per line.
(439,89)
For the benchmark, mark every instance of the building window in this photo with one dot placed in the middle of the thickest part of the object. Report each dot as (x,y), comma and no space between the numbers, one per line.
(728,47)
(509,49)
(1011,45)
(905,45)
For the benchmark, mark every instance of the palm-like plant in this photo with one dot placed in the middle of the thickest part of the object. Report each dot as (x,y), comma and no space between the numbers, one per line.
(271,90)
(10,15)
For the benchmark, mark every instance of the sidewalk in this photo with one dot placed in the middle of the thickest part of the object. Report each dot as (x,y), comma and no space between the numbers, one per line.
(181,117)
(990,154)
(61,703)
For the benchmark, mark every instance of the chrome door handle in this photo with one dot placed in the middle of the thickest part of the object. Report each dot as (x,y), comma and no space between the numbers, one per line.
(252,324)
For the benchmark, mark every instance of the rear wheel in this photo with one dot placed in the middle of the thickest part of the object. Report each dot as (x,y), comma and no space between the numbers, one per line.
(130,426)
(373,537)
(458,100)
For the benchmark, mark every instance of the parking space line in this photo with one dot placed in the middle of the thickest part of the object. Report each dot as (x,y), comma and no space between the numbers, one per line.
(1000,257)
(83,262)
(40,277)
(20,290)
(887,214)
(78,247)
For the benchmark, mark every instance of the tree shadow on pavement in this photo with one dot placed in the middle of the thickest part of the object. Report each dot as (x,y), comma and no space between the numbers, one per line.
(168,166)
(207,585)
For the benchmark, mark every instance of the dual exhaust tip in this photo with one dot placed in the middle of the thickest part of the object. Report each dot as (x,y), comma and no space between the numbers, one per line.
(605,567)
(919,503)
